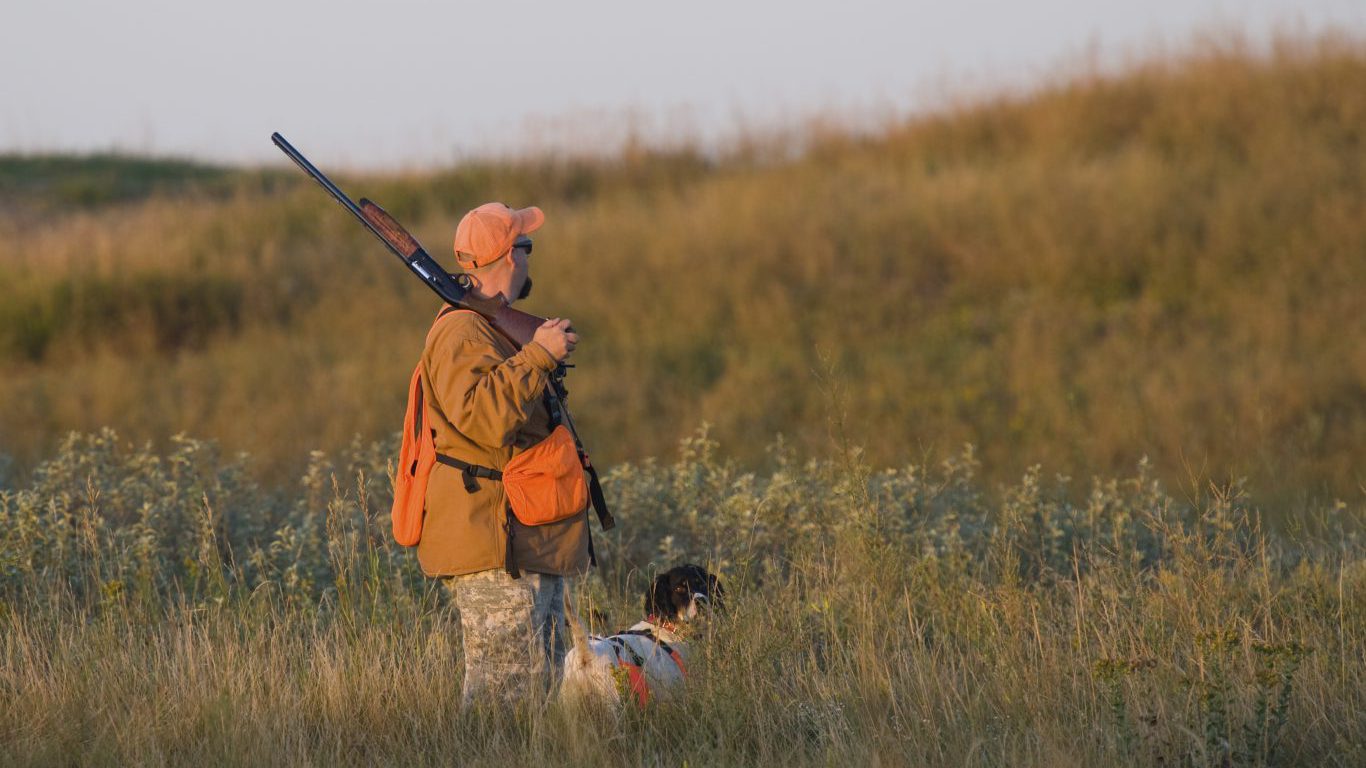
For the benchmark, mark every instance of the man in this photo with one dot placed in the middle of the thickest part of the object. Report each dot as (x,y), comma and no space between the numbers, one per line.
(488,405)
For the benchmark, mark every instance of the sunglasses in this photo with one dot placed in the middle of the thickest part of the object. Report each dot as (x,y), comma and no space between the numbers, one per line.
(523,242)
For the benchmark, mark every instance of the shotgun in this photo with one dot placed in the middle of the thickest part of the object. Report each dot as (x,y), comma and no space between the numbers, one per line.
(455,289)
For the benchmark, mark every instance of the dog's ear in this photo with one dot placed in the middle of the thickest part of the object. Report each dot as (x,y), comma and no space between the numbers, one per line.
(657,599)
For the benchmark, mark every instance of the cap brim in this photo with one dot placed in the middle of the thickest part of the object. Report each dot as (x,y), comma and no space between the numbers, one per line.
(528,219)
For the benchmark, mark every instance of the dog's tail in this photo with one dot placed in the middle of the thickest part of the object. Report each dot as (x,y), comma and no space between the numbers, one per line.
(581,654)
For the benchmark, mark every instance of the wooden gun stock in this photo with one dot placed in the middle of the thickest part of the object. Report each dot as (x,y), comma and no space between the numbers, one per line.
(389,228)
(518,325)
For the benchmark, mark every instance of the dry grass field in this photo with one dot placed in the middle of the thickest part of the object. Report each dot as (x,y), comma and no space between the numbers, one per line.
(1036,436)
(163,609)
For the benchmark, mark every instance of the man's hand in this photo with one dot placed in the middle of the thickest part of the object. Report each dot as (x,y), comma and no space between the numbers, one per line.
(558,338)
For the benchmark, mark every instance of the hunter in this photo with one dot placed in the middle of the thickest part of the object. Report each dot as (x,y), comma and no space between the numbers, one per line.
(489,403)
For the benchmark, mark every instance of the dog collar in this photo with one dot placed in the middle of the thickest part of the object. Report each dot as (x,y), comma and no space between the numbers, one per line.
(664,624)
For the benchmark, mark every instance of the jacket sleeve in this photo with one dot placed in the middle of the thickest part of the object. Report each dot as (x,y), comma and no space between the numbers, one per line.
(486,397)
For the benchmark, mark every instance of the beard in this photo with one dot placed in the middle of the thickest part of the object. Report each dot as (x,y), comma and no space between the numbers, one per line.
(526,289)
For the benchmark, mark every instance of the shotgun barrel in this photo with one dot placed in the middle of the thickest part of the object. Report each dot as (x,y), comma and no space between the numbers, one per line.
(417,260)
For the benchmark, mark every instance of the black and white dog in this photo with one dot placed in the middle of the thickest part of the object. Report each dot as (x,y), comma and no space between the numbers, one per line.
(649,658)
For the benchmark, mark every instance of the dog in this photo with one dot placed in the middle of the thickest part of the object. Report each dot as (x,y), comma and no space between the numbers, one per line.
(649,658)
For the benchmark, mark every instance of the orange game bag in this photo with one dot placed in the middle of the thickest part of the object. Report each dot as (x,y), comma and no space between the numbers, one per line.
(545,482)
(416,457)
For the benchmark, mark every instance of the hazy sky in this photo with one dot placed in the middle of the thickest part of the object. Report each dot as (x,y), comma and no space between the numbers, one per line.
(415,81)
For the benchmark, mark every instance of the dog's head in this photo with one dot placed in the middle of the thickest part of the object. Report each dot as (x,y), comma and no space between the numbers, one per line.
(678,592)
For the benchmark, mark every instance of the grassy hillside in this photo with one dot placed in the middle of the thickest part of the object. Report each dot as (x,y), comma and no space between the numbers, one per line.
(1170,262)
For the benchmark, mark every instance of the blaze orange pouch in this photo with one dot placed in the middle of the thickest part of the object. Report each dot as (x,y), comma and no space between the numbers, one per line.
(545,483)
(416,457)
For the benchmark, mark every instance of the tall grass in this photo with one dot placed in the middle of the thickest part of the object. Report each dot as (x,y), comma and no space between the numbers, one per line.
(1165,262)
(162,608)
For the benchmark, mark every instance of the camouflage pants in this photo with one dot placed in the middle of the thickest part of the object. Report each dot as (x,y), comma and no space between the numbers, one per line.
(513,631)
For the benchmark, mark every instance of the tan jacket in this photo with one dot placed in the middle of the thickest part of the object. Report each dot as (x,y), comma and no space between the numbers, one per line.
(487,406)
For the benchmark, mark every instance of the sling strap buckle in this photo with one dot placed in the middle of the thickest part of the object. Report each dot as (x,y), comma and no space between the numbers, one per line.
(469,471)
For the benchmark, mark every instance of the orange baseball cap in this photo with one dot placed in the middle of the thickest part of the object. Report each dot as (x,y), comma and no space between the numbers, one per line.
(486,233)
